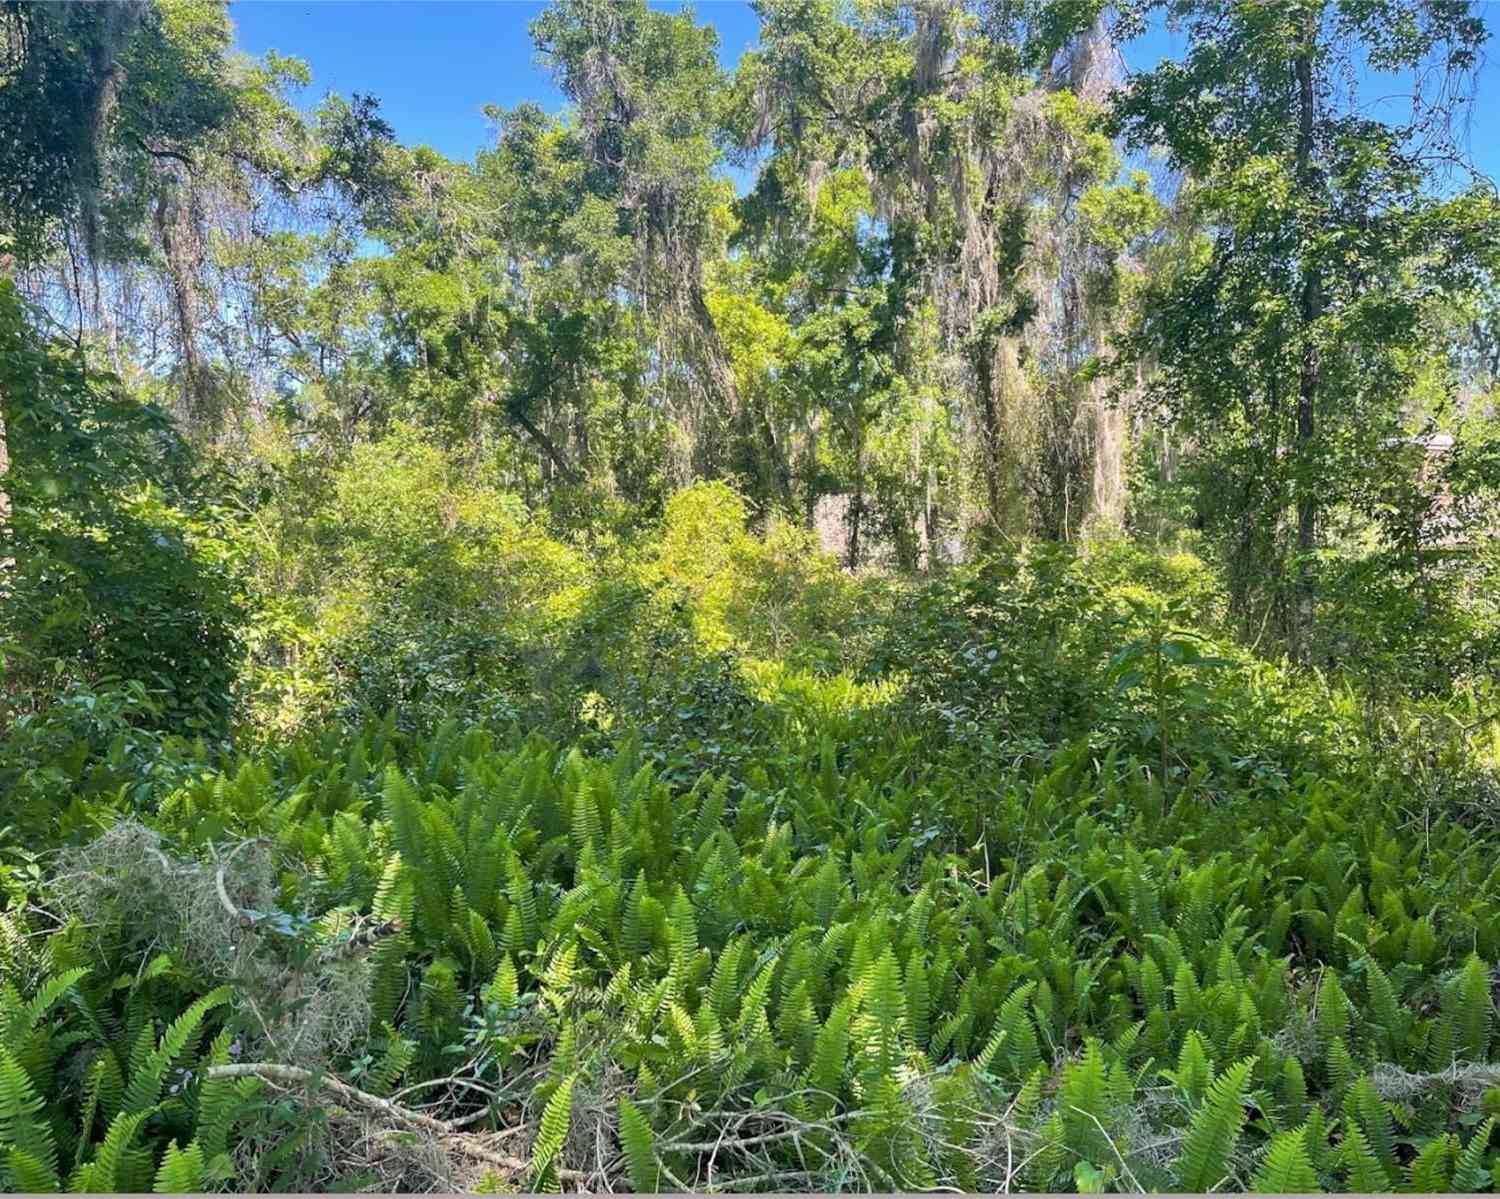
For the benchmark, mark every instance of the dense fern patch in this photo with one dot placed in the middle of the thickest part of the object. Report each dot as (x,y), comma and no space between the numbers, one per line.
(1198,925)
(850,971)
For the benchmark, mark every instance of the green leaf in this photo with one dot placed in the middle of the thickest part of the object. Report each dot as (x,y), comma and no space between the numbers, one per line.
(556,1118)
(1215,1130)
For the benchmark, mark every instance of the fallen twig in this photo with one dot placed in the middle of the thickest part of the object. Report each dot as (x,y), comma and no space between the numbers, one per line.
(468,1144)
(229,905)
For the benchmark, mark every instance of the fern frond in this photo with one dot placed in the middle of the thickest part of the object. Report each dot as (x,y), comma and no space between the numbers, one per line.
(831,1050)
(21,1018)
(1085,1101)
(882,1019)
(1430,1172)
(220,1102)
(639,1144)
(147,1078)
(1286,1169)
(22,1128)
(504,990)
(1215,1130)
(28,1173)
(1022,1053)
(103,1092)
(918,998)
(1341,1069)
(400,1053)
(556,1118)
(1386,1017)
(1291,1091)
(1195,1068)
(102,1172)
(1469,1004)
(181,1172)
(1363,1171)
(991,1051)
(1469,1173)
(1364,1106)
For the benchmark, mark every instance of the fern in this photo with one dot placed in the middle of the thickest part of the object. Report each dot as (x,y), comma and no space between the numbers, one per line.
(20,1018)
(1195,1068)
(587,828)
(747,948)
(480,942)
(1469,1173)
(28,1174)
(220,1102)
(1386,1017)
(723,987)
(23,1134)
(1430,1172)
(1286,1169)
(1022,1053)
(400,1053)
(1341,1068)
(1333,1009)
(523,904)
(148,1070)
(1187,995)
(1363,1106)
(1085,1101)
(181,1171)
(1151,985)
(918,999)
(1468,1004)
(103,1171)
(556,1118)
(1215,1130)
(1292,1091)
(831,1050)
(639,1144)
(882,1019)
(1363,1171)
(103,1093)
(985,1061)
(504,990)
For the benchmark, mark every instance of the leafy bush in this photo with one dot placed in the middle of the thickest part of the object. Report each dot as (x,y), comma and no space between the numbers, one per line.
(412,592)
(691,869)
(1405,629)
(777,596)
(117,563)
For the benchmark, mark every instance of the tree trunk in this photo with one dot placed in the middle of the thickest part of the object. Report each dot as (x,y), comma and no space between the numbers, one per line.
(989,429)
(810,499)
(721,376)
(549,448)
(184,260)
(857,501)
(7,563)
(932,522)
(1311,308)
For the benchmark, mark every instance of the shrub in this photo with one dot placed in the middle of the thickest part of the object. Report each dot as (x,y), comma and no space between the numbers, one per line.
(777,596)
(416,590)
(116,564)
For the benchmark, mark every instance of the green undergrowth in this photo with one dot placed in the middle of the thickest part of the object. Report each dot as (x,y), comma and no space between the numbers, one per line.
(855,972)
(1055,889)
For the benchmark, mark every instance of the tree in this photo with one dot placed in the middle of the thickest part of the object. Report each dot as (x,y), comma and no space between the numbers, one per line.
(995,193)
(114,560)
(646,87)
(1290,341)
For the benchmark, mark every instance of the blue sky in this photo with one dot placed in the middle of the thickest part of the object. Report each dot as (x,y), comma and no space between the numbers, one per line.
(434,64)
